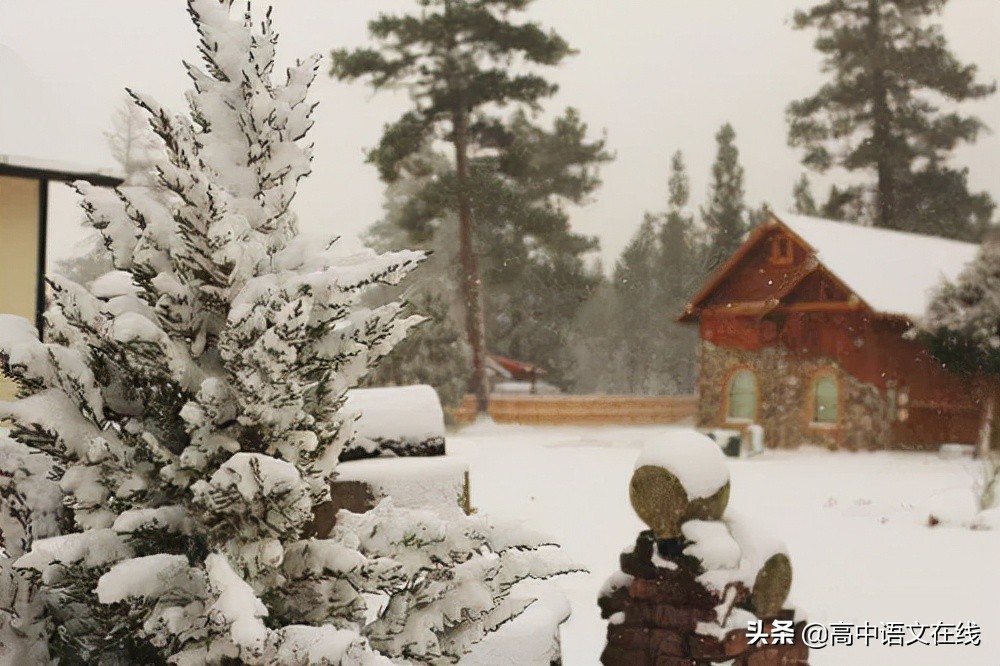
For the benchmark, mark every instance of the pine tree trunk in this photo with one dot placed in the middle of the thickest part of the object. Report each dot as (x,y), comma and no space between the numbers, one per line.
(470,280)
(881,118)
(986,420)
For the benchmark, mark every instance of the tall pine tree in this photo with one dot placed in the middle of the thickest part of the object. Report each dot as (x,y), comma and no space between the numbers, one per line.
(455,58)
(436,352)
(725,213)
(882,114)
(190,404)
(681,270)
(803,202)
(534,269)
(638,287)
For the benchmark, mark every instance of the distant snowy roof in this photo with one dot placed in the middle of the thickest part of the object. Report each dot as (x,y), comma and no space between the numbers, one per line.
(892,271)
(57,170)
(39,127)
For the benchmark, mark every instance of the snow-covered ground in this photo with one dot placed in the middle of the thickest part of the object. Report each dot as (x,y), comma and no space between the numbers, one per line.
(855,525)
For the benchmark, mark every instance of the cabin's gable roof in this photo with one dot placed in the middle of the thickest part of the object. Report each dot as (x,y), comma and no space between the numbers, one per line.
(894,272)
(891,273)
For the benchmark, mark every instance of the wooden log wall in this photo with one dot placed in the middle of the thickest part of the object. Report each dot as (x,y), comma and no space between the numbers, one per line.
(581,409)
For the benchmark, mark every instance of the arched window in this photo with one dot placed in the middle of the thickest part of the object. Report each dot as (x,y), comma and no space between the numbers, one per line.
(742,396)
(826,399)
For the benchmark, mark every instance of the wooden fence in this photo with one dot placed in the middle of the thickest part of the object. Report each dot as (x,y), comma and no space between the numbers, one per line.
(581,409)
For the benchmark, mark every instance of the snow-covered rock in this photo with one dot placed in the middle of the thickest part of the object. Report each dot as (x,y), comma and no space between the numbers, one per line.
(692,457)
(724,564)
(711,544)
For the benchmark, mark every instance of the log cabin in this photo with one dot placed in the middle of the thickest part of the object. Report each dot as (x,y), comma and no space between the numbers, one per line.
(804,330)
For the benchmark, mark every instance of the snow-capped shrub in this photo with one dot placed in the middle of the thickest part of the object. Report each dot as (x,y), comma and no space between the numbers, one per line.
(453,581)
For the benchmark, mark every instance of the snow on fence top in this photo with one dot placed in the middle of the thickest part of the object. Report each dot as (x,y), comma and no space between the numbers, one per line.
(397,420)
(892,271)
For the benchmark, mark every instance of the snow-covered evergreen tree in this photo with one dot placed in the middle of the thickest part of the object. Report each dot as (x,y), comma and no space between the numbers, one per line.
(30,508)
(189,405)
(136,149)
(725,211)
(962,330)
(454,580)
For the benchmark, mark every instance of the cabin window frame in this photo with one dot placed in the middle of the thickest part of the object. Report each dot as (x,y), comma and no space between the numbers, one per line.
(782,251)
(728,403)
(813,406)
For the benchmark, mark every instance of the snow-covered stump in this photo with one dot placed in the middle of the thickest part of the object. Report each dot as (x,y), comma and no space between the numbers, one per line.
(440,484)
(397,451)
(690,587)
(395,421)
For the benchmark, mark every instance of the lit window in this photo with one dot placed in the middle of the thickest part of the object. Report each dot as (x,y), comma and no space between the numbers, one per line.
(825,399)
(742,403)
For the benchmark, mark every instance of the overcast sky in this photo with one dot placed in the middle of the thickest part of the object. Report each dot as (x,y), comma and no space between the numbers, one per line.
(655,75)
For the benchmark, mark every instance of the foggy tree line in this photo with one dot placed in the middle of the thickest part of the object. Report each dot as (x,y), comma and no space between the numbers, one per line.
(473,175)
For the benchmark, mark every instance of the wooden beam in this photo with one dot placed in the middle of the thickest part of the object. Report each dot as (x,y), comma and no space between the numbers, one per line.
(822,306)
(942,406)
(38,173)
(43,223)
(741,308)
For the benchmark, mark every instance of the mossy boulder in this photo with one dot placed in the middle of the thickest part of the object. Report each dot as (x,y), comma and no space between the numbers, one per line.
(771,587)
(681,477)
(661,501)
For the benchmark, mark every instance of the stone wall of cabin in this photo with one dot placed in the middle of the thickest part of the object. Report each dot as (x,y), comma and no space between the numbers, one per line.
(785,403)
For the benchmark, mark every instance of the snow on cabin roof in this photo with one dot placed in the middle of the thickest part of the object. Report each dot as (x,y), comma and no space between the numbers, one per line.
(58,170)
(894,272)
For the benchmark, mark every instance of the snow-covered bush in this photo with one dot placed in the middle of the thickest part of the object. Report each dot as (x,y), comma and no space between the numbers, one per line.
(30,508)
(454,581)
(190,406)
